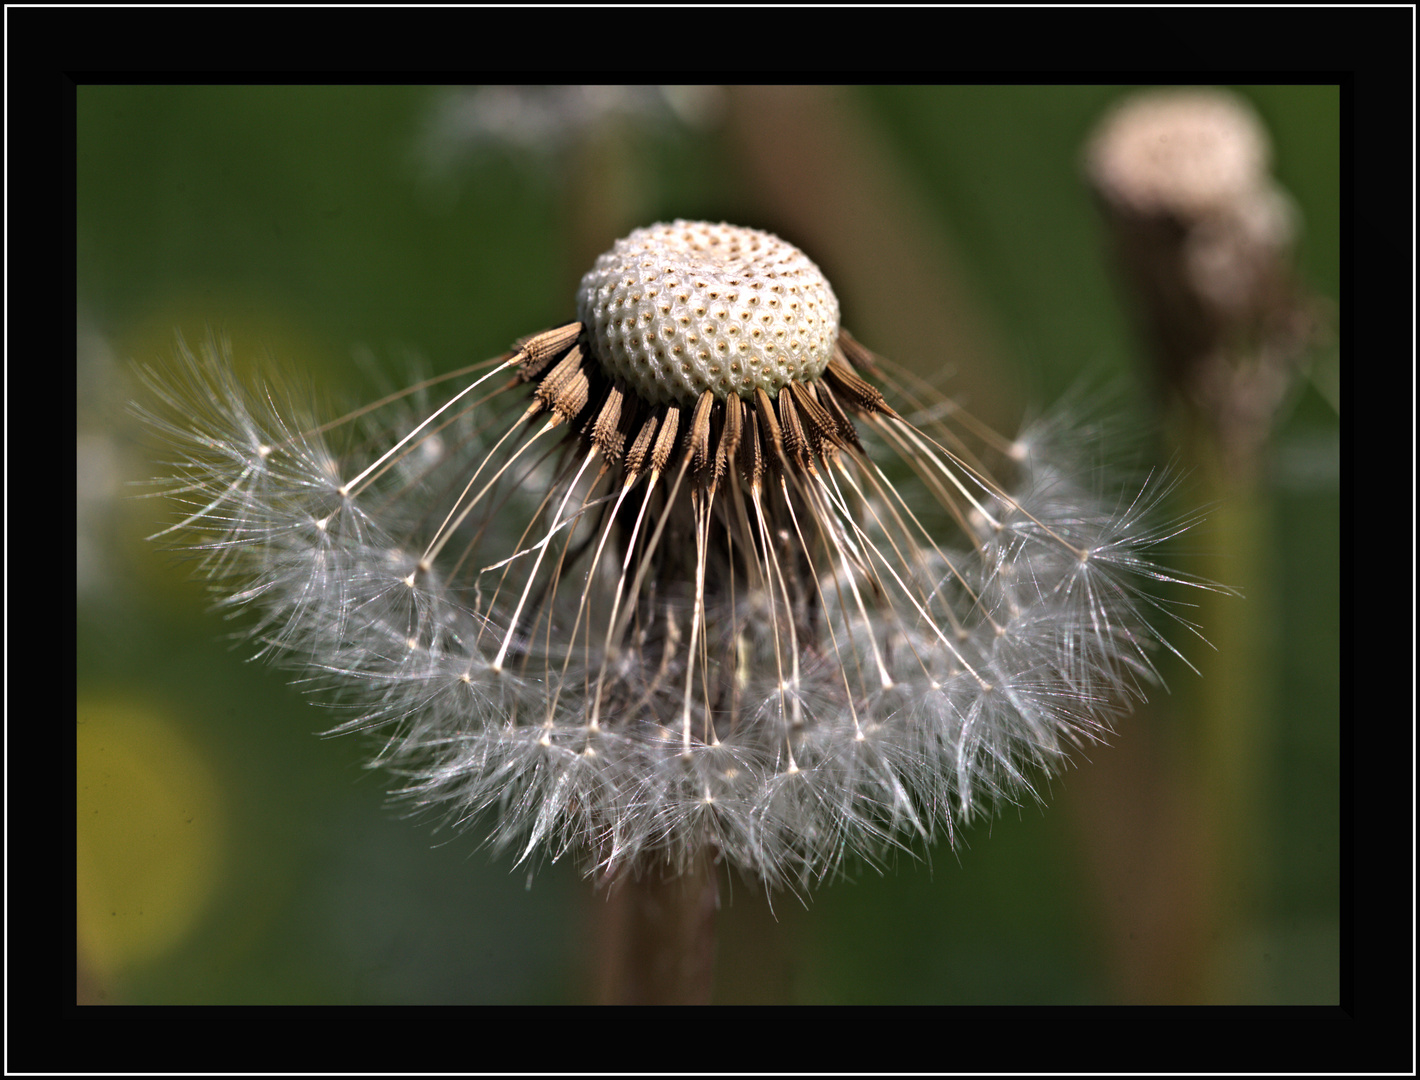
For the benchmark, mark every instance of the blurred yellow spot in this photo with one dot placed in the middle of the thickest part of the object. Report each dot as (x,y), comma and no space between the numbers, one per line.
(149,834)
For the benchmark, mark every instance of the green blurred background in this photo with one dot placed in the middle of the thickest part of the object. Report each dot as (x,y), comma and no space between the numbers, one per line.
(227,854)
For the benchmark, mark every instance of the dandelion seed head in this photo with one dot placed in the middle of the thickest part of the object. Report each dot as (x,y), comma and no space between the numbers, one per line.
(636,619)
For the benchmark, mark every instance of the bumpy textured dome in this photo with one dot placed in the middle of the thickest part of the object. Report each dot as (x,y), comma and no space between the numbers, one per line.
(675,310)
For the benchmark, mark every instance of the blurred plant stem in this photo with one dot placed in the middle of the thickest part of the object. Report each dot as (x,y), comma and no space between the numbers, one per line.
(1203,240)
(656,941)
(610,196)
(819,172)
(1233,703)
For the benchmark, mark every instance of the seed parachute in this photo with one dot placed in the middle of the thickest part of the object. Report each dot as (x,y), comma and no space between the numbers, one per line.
(692,576)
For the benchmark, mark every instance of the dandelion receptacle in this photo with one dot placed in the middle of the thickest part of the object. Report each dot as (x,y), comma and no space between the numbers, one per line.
(695,576)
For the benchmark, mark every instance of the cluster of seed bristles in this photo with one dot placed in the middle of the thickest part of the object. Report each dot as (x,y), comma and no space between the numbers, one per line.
(652,631)
(804,422)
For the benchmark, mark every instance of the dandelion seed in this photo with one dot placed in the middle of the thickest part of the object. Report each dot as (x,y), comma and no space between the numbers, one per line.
(620,597)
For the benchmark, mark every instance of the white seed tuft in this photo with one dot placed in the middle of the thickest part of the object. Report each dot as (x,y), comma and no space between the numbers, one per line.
(675,310)
(778,666)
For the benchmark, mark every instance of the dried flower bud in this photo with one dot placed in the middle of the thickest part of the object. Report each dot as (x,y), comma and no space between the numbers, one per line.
(1186,152)
(1203,235)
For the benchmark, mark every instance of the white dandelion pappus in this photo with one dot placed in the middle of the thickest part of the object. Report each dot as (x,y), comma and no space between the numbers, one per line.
(676,580)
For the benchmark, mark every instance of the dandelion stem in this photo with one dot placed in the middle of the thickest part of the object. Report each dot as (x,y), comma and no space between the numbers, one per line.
(657,938)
